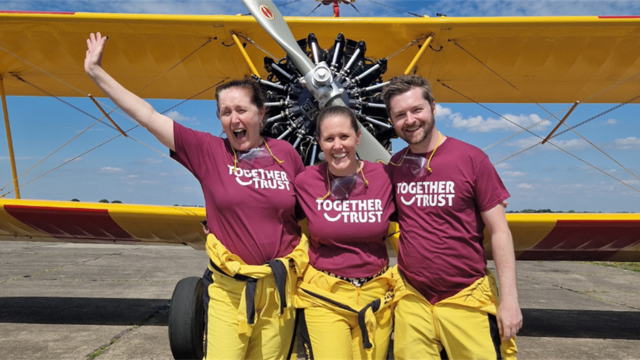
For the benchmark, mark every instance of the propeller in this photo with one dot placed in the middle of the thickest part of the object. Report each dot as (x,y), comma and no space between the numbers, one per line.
(317,78)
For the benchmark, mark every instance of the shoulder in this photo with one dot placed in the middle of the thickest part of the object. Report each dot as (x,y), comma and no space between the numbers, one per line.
(397,156)
(375,168)
(284,151)
(377,173)
(311,173)
(461,146)
(280,146)
(189,135)
(464,150)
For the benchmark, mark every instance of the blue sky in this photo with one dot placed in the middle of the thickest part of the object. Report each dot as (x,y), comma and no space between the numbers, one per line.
(128,171)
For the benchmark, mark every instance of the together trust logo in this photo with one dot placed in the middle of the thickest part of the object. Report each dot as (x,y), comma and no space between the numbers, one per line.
(260,179)
(352,211)
(426,193)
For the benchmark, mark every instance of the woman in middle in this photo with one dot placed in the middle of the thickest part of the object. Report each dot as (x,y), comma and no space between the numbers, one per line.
(347,289)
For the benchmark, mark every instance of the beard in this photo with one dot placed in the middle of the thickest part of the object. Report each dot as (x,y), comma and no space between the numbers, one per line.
(414,139)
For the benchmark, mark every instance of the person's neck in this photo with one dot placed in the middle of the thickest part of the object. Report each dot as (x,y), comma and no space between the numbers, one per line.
(352,169)
(429,143)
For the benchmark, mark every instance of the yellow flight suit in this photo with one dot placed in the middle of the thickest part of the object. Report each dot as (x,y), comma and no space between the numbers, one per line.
(250,313)
(464,325)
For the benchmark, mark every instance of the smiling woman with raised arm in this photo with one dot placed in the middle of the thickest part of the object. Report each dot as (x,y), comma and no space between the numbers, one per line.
(254,241)
(347,288)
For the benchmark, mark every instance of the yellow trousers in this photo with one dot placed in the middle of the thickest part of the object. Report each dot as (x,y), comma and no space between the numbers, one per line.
(342,321)
(250,313)
(460,327)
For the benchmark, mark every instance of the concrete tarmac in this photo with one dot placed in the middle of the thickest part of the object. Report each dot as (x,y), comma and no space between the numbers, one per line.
(72,301)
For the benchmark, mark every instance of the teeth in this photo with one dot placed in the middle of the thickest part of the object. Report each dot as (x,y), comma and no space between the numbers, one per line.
(339,156)
(238,130)
(415,128)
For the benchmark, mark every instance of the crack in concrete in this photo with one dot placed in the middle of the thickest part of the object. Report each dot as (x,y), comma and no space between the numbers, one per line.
(595,297)
(119,336)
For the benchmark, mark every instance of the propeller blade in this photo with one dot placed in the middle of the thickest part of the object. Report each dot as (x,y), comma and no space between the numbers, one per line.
(268,16)
(370,149)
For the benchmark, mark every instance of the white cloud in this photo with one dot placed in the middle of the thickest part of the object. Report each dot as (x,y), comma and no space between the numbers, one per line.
(525,186)
(573,144)
(176,116)
(524,143)
(503,165)
(134,176)
(630,143)
(478,124)
(569,145)
(514,174)
(610,122)
(442,112)
(111,170)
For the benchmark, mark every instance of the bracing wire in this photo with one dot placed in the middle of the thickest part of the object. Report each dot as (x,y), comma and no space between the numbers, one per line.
(541,138)
(543,108)
(314,9)
(391,7)
(113,138)
(98,120)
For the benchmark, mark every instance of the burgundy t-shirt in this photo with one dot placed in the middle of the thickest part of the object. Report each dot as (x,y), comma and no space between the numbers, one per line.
(347,236)
(441,231)
(252,212)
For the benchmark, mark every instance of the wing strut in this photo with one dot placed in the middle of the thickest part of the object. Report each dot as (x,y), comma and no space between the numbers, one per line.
(412,68)
(107,116)
(560,123)
(252,67)
(5,112)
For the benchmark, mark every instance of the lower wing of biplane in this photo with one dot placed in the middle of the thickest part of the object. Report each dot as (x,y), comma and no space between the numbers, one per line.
(581,237)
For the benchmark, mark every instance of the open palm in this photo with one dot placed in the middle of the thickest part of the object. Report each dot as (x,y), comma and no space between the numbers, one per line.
(93,59)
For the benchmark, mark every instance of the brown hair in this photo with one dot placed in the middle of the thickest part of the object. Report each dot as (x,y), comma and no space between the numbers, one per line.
(249,85)
(337,111)
(401,84)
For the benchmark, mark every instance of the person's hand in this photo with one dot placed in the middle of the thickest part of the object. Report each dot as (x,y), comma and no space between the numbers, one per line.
(205,229)
(509,319)
(93,59)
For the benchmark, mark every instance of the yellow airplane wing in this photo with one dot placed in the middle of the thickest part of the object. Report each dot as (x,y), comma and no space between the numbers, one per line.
(584,237)
(68,221)
(544,59)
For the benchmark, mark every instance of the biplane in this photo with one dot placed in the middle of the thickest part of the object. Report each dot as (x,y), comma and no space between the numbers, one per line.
(319,61)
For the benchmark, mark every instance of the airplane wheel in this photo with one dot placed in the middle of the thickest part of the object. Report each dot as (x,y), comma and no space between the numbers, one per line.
(186,319)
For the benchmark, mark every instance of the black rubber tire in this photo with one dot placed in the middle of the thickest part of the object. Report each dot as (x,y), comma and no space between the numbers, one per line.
(186,319)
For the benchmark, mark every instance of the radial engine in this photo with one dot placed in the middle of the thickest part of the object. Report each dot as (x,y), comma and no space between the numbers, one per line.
(292,110)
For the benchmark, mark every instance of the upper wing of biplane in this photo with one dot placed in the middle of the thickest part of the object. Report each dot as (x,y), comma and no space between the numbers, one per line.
(542,59)
(584,237)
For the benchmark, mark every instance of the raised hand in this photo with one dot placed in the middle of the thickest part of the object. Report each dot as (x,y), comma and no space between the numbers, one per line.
(93,59)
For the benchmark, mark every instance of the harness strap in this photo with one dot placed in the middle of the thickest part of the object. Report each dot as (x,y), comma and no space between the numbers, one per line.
(374,306)
(280,276)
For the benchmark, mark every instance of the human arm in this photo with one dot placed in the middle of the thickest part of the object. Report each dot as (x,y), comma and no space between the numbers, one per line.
(159,125)
(509,316)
